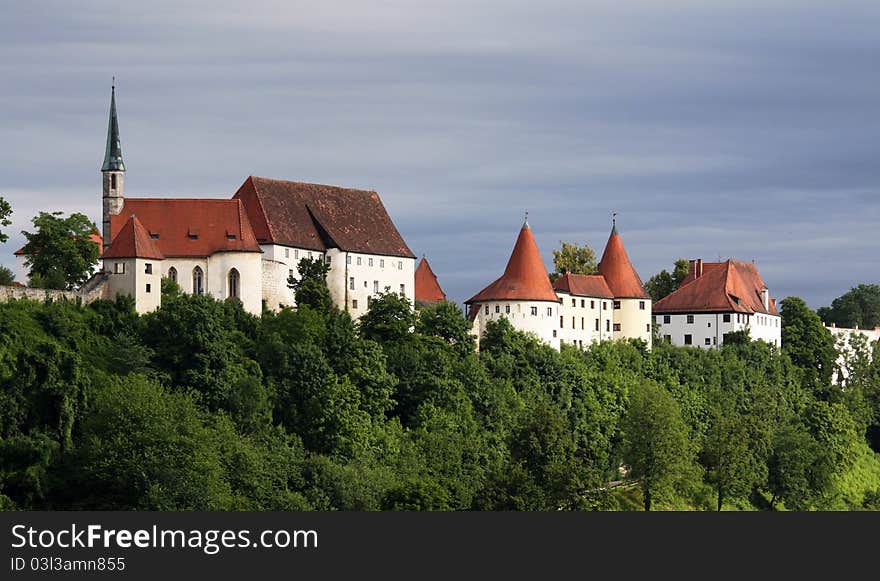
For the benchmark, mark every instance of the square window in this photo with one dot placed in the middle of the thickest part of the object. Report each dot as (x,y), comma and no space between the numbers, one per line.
(148,268)
(688,339)
(119,267)
(708,341)
(616,304)
(534,311)
(709,324)
(666,319)
(641,305)
(497,308)
(617,326)
(726,318)
(690,319)
(354,303)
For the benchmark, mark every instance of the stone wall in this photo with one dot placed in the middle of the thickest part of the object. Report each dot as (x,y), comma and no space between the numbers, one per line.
(94,289)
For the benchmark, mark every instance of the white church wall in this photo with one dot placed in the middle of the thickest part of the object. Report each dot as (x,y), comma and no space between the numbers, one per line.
(538,317)
(584,321)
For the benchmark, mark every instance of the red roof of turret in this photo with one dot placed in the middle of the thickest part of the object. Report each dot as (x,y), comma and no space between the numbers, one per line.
(524,279)
(133,241)
(621,277)
(427,288)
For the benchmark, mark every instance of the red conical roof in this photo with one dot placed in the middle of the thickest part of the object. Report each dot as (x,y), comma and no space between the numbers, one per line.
(621,277)
(133,241)
(427,288)
(524,279)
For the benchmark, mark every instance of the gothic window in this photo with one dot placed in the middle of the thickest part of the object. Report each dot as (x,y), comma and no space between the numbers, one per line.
(233,283)
(172,274)
(198,281)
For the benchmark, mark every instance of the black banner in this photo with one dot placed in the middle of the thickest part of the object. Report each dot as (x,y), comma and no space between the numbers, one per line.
(132,545)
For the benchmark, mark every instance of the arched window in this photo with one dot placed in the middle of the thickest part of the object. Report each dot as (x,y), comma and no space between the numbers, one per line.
(172,274)
(198,281)
(233,283)
(113,181)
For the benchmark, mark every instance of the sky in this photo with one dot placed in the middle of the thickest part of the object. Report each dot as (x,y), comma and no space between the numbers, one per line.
(716,129)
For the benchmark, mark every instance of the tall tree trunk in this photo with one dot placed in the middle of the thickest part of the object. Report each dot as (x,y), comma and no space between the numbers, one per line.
(647,495)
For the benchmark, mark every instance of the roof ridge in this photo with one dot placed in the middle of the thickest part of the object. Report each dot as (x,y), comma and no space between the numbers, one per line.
(313,184)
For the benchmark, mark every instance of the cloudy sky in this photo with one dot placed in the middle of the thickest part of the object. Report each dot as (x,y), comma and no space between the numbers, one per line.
(745,129)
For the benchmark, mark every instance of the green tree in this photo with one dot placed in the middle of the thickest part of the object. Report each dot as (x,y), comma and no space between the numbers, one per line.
(808,343)
(7,277)
(447,321)
(799,470)
(657,446)
(859,307)
(311,287)
(60,252)
(5,212)
(390,318)
(574,259)
(665,283)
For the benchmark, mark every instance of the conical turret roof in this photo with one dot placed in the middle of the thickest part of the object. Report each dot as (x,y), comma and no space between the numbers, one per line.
(524,279)
(621,277)
(427,288)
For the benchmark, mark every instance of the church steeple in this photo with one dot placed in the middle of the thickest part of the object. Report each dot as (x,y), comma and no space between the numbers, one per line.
(112,172)
(113,152)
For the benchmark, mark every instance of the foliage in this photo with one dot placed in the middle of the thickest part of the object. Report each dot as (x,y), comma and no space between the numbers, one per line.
(665,283)
(7,277)
(574,259)
(5,213)
(859,307)
(311,287)
(60,253)
(808,343)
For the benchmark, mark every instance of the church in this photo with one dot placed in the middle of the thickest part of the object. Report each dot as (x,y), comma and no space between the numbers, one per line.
(247,247)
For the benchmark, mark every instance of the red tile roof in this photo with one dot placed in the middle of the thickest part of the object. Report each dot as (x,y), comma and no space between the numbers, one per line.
(730,286)
(584,285)
(621,277)
(428,290)
(524,279)
(94,237)
(317,217)
(133,241)
(190,227)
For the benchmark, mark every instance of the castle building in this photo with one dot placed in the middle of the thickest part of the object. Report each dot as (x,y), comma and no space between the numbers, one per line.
(717,298)
(248,247)
(576,309)
(428,291)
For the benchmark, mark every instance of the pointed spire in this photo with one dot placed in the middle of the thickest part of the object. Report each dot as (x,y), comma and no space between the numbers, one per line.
(525,277)
(621,277)
(113,152)
(613,222)
(526,221)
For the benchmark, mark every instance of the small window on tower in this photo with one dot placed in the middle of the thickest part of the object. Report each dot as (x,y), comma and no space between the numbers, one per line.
(617,326)
(354,303)
(641,305)
(148,288)
(119,267)
(616,304)
(148,268)
(113,181)
(358,260)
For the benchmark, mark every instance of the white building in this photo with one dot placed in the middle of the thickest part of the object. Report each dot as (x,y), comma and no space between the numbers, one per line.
(717,298)
(576,309)
(852,345)
(246,248)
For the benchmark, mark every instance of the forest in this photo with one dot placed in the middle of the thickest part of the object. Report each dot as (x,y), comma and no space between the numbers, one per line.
(201,406)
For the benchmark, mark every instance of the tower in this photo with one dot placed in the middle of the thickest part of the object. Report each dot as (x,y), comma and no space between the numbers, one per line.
(112,172)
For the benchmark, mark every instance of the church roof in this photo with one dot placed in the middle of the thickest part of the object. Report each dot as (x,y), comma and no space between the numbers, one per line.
(729,286)
(524,279)
(318,217)
(583,285)
(428,290)
(621,277)
(133,241)
(113,151)
(190,227)
(94,237)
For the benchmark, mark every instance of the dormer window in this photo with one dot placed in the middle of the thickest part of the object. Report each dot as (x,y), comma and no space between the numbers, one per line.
(154,235)
(230,236)
(193,234)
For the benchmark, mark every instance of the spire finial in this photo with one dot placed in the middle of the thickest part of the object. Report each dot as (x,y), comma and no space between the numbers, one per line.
(614,222)
(526,221)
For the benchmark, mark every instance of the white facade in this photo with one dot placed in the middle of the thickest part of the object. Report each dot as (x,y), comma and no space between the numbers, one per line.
(707,329)
(632,319)
(353,279)
(222,275)
(585,320)
(851,345)
(540,318)
(140,278)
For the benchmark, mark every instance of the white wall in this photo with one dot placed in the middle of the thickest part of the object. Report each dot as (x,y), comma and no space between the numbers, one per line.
(844,343)
(578,324)
(544,323)
(712,327)
(633,320)
(215,270)
(145,288)
(355,278)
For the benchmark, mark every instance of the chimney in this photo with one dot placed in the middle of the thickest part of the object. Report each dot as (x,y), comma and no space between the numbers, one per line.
(696,269)
(765,298)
